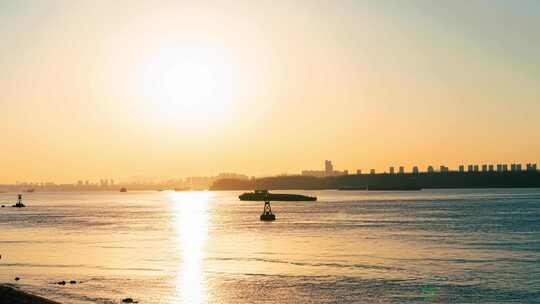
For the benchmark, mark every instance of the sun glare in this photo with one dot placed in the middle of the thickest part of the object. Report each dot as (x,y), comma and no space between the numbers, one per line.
(188,82)
(191,209)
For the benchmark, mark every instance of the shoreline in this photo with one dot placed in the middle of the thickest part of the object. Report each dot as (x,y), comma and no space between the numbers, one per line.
(13,295)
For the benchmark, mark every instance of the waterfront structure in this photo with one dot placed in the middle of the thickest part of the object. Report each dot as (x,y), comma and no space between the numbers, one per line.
(444,169)
(484,168)
(391,170)
(490,168)
(372,171)
(470,168)
(531,167)
(401,170)
(461,168)
(359,171)
(475,168)
(415,170)
(430,169)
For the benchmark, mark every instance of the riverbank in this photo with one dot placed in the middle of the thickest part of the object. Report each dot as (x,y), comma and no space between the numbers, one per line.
(12,295)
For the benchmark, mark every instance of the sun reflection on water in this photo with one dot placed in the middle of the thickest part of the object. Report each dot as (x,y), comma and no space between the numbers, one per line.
(191,221)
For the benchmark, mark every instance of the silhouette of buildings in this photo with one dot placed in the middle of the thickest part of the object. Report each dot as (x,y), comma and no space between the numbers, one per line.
(328,171)
(415,170)
(391,170)
(401,170)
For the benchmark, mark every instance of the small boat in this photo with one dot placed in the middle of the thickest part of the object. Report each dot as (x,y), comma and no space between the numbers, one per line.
(264,195)
(123,189)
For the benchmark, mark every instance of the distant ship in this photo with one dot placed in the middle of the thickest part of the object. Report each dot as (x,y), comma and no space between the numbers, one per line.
(123,189)
(264,195)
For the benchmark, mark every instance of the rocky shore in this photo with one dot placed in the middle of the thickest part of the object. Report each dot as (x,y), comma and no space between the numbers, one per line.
(13,295)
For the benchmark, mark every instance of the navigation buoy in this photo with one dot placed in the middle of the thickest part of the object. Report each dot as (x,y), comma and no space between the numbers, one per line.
(267,214)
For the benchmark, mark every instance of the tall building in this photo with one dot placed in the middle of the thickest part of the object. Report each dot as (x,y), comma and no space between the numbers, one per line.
(430,169)
(531,167)
(359,171)
(444,169)
(461,168)
(328,167)
(490,168)
(415,170)
(513,167)
(484,168)
(475,168)
(401,170)
(499,168)
(391,170)
(372,171)
(470,168)
(505,168)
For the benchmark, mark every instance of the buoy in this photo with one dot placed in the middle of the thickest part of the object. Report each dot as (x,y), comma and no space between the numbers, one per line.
(267,214)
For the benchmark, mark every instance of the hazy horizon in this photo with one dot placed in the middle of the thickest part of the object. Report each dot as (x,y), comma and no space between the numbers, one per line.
(92,89)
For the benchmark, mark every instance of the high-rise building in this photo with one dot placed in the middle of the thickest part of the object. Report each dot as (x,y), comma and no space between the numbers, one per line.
(513,167)
(499,168)
(444,169)
(415,170)
(430,169)
(328,167)
(359,171)
(391,170)
(470,168)
(461,168)
(531,167)
(475,168)
(401,170)
(490,168)
(372,171)
(505,168)
(518,167)
(484,168)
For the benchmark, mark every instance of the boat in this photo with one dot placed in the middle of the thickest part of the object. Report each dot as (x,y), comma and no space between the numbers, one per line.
(264,195)
(123,189)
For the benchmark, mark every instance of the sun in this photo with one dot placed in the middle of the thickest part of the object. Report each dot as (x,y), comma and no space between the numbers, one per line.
(188,82)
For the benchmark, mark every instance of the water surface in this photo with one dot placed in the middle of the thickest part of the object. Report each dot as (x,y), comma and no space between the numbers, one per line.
(431,246)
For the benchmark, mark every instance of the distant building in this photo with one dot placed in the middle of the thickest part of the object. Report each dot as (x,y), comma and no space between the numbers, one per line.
(505,167)
(475,168)
(444,169)
(484,168)
(328,171)
(499,168)
(328,167)
(401,170)
(430,169)
(490,168)
(359,171)
(415,170)
(372,171)
(391,170)
(518,167)
(513,167)
(531,167)
(461,168)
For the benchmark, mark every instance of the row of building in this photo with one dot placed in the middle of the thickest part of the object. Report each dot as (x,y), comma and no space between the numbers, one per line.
(329,169)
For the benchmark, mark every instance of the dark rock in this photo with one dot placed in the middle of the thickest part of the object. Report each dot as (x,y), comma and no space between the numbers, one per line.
(61,283)
(3,206)
(129,300)
(17,278)
(72,282)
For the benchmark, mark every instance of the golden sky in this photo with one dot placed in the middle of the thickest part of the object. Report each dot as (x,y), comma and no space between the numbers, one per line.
(113,89)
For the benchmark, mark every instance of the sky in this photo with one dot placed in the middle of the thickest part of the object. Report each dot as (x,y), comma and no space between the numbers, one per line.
(165,89)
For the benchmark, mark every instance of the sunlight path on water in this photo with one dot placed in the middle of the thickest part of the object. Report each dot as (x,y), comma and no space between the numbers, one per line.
(191,222)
